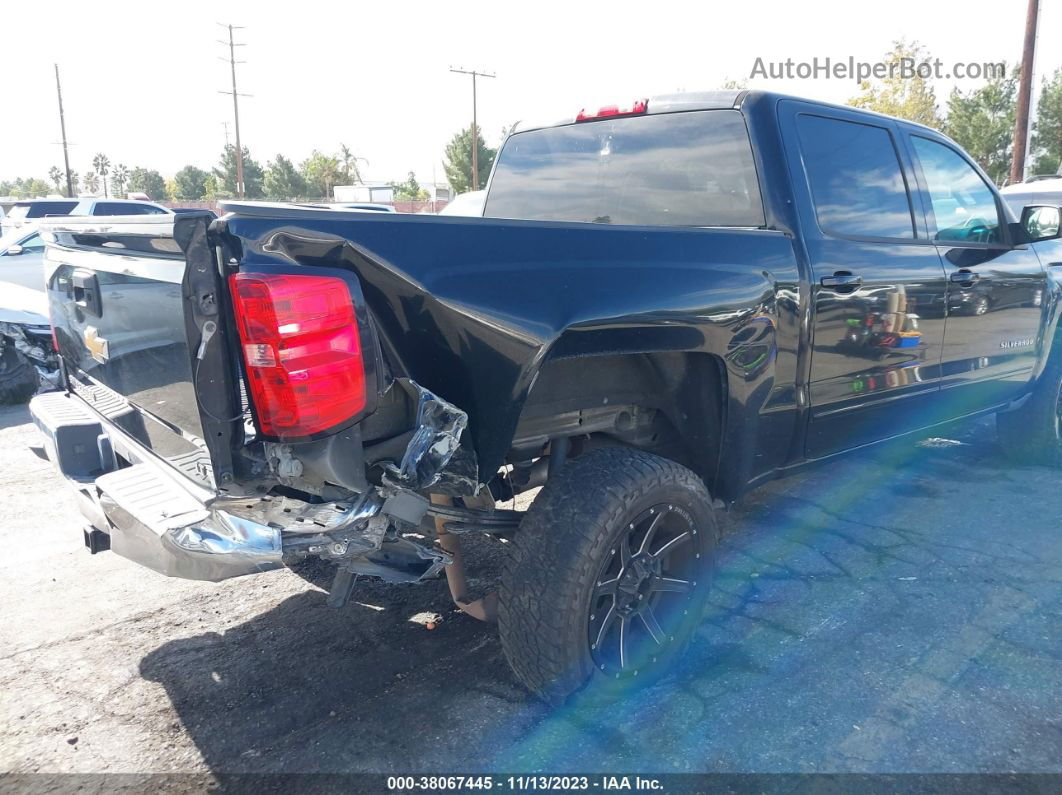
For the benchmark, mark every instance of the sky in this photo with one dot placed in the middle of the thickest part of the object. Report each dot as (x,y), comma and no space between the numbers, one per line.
(141,81)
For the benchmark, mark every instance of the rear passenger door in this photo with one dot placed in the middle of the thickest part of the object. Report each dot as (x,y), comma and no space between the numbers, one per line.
(996,287)
(878,288)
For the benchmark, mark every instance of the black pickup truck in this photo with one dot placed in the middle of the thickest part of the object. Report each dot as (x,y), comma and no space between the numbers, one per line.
(664,305)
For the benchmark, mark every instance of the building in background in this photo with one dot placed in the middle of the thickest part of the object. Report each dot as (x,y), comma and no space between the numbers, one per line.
(372,192)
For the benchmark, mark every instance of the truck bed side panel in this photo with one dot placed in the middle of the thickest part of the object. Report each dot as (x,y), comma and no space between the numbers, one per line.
(473,307)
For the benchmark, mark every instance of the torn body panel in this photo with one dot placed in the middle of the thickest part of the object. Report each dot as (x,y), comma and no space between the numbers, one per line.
(430,459)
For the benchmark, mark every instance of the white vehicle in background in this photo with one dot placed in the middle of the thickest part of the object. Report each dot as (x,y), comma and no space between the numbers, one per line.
(1040,190)
(119,207)
(23,212)
(31,209)
(468,204)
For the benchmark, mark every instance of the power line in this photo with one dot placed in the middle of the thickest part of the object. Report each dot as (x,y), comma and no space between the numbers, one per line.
(232,45)
(475,127)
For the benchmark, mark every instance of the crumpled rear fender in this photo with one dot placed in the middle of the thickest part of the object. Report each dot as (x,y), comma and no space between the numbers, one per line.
(471,308)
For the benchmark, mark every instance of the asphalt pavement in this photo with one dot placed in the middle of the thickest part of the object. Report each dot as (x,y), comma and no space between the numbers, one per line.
(894,611)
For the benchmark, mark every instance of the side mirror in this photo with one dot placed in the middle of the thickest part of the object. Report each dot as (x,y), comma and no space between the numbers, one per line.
(14,251)
(1041,222)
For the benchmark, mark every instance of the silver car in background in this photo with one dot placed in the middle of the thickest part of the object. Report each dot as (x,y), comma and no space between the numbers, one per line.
(27,356)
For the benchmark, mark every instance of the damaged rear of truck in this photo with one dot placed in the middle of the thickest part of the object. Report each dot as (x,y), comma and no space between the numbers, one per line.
(289,383)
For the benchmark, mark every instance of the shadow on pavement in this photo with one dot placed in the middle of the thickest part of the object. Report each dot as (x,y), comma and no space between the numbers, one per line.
(865,617)
(306,688)
(12,416)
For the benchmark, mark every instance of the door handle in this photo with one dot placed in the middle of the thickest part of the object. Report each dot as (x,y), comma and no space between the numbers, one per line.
(87,292)
(842,280)
(965,276)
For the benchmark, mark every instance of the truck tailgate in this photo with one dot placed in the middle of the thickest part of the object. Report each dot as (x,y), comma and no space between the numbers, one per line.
(131,300)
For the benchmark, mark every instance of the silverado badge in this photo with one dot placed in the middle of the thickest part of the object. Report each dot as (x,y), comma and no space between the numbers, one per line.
(97,345)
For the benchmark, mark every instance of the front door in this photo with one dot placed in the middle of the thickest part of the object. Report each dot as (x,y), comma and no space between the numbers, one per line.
(878,289)
(996,289)
(25,268)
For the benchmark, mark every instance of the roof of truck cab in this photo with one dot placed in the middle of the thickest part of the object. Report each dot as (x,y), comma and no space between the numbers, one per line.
(719,100)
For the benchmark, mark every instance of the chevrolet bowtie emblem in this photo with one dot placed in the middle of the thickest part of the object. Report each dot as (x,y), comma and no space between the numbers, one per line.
(97,345)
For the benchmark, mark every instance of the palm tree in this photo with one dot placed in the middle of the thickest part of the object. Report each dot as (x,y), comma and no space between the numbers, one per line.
(119,177)
(102,164)
(56,176)
(91,182)
(350,164)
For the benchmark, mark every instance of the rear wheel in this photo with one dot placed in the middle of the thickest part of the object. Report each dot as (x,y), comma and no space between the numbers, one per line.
(608,575)
(1032,434)
(18,376)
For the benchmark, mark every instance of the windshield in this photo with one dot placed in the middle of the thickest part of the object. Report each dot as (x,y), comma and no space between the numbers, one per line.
(674,169)
(17,236)
(39,209)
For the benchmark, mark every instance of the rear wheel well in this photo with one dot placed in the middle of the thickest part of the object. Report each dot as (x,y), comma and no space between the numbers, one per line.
(668,403)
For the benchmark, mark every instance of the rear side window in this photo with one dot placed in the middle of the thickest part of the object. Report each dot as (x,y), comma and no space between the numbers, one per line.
(856,181)
(120,208)
(41,209)
(671,169)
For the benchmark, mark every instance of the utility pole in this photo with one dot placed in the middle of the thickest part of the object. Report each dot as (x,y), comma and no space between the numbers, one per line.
(62,127)
(475,127)
(232,45)
(1021,122)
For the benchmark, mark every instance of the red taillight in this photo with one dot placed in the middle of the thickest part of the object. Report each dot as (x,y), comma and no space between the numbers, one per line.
(302,351)
(641,106)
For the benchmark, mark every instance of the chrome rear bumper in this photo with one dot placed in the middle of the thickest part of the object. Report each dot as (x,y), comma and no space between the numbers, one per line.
(150,515)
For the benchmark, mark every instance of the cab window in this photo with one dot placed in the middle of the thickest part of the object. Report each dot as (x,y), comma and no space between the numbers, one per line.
(963,206)
(857,185)
(669,169)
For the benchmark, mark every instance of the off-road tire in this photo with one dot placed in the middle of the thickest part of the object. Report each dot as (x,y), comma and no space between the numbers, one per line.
(18,377)
(559,551)
(1032,434)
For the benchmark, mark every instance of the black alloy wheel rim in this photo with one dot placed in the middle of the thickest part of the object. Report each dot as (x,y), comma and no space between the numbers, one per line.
(645,589)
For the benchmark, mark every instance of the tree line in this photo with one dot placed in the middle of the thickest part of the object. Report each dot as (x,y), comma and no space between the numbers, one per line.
(280,178)
(980,120)
(112,181)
